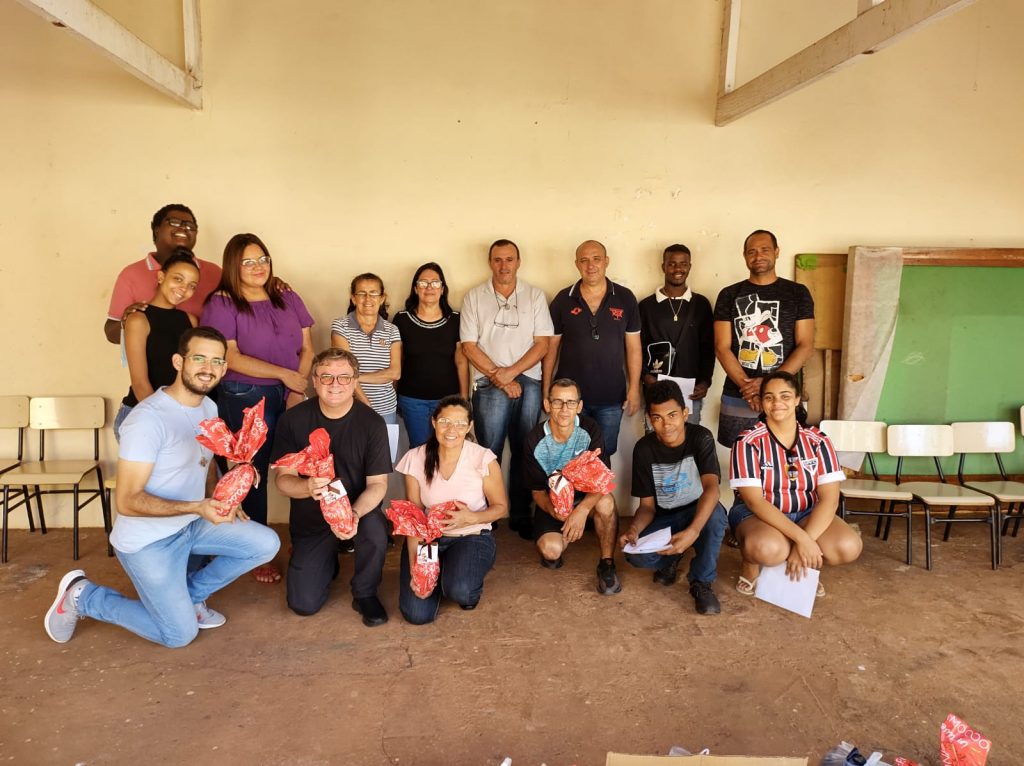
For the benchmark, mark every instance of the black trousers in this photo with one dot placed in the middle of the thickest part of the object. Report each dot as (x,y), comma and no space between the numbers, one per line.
(314,563)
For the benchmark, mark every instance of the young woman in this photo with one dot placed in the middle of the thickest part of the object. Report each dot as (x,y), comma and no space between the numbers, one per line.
(151,335)
(433,364)
(787,476)
(270,352)
(446,468)
(368,334)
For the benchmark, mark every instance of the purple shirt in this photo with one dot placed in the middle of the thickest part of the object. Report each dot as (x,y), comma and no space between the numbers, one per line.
(269,334)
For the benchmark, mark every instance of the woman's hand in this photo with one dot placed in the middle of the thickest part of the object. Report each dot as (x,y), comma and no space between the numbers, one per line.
(805,554)
(294,381)
(463,517)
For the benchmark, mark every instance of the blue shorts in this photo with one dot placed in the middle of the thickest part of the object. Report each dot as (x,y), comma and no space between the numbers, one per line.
(740,513)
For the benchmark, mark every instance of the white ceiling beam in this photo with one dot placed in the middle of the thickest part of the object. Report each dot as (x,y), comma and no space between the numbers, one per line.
(730,46)
(88,22)
(874,29)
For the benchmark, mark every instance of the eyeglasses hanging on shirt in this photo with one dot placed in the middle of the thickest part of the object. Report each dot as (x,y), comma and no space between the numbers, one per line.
(508,313)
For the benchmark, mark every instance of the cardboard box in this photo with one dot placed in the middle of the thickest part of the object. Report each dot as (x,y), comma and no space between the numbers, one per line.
(620,759)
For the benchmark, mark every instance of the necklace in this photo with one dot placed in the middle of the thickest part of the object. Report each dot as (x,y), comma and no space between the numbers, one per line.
(203,460)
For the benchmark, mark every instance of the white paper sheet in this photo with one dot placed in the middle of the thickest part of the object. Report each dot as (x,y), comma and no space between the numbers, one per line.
(393,441)
(775,587)
(685,385)
(652,543)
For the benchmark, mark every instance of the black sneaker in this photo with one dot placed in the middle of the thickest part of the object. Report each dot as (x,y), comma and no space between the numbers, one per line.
(346,546)
(668,573)
(551,563)
(704,598)
(371,609)
(607,580)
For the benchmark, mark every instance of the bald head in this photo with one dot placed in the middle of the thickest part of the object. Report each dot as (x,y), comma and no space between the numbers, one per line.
(592,262)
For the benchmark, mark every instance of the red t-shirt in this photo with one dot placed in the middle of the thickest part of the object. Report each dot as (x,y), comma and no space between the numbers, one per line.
(137,284)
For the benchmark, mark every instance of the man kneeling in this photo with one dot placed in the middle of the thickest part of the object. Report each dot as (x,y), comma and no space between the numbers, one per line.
(549,447)
(165,516)
(675,476)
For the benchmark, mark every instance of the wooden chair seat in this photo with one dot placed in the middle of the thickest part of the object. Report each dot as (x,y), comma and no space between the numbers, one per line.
(1003,491)
(935,493)
(868,489)
(49,472)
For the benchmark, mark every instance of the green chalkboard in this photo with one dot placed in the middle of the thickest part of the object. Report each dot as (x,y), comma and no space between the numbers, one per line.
(958,354)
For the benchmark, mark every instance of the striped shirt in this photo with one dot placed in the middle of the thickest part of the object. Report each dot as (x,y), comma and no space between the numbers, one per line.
(374,354)
(788,477)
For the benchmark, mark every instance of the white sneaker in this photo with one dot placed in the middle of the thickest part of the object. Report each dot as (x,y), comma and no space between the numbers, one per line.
(208,618)
(62,617)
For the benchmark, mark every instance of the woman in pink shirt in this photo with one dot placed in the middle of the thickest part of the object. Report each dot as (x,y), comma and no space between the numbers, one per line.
(448,467)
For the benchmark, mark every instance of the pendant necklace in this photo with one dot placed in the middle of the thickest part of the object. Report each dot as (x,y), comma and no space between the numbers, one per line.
(203,460)
(672,307)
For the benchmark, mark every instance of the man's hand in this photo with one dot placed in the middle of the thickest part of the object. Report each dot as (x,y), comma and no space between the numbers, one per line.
(317,486)
(132,308)
(805,554)
(700,390)
(632,404)
(513,390)
(502,376)
(680,542)
(215,511)
(750,387)
(572,529)
(631,535)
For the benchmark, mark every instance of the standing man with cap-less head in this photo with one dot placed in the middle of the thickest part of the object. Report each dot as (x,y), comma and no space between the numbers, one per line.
(677,330)
(762,324)
(505,328)
(597,343)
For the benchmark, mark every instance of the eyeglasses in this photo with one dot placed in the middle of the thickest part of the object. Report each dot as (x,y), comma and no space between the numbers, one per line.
(344,379)
(423,284)
(557,404)
(362,295)
(216,361)
(459,425)
(503,318)
(178,223)
(250,263)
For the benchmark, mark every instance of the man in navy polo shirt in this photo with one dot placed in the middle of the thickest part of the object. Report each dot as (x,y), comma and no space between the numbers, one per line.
(597,343)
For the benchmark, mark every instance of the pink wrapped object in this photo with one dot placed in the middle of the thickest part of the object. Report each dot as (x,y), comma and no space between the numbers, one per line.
(410,520)
(316,460)
(239,448)
(960,745)
(584,473)
(903,762)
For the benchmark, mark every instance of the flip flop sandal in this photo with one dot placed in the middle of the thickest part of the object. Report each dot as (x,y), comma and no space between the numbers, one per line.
(746,587)
(820,592)
(268,573)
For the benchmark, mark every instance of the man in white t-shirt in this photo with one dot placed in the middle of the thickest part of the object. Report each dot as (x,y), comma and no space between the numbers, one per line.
(505,328)
(165,515)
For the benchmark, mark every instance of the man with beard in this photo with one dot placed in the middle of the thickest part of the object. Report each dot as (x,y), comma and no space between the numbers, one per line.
(165,515)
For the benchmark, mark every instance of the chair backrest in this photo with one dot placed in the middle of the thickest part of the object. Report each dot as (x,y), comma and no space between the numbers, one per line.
(63,412)
(920,441)
(855,435)
(13,412)
(987,437)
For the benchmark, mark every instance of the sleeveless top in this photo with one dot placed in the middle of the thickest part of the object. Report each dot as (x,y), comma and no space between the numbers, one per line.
(165,330)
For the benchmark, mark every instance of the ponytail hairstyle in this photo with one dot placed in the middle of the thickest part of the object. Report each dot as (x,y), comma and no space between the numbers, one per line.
(431,456)
(179,255)
(793,382)
(367,277)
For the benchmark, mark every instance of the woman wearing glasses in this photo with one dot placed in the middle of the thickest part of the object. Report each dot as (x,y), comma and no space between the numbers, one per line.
(448,467)
(151,335)
(432,360)
(787,476)
(270,352)
(367,333)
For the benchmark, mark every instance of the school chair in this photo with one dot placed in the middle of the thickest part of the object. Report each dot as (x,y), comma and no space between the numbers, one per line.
(14,416)
(991,438)
(869,437)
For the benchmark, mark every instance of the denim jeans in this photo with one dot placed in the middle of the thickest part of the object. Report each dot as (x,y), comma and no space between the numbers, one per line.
(496,416)
(165,613)
(233,400)
(609,418)
(704,566)
(123,411)
(416,414)
(465,561)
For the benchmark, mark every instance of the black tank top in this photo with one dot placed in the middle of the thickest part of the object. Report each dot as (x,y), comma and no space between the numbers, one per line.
(165,329)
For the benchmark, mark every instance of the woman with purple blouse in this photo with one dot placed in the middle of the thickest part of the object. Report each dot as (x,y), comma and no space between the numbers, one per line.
(270,352)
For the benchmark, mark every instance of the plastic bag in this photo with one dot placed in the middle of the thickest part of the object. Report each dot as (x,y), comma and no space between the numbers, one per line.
(239,448)
(317,461)
(960,745)
(410,520)
(584,473)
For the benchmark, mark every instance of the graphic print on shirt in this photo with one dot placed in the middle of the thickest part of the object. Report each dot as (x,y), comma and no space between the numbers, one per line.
(676,484)
(757,329)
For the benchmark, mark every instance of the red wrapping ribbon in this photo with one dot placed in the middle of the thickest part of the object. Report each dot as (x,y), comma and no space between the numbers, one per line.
(410,520)
(960,745)
(239,448)
(316,460)
(584,473)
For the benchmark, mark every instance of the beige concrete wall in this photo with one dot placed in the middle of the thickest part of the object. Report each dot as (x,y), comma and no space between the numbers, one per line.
(353,135)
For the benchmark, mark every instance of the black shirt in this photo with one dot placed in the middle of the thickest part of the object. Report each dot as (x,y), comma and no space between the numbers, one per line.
(671,475)
(428,356)
(680,335)
(166,327)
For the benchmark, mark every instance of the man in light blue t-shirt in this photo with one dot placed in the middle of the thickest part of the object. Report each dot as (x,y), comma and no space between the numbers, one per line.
(165,515)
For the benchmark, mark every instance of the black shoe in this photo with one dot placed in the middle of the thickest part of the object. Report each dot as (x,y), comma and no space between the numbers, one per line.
(668,573)
(346,546)
(371,609)
(704,598)
(549,564)
(467,607)
(607,580)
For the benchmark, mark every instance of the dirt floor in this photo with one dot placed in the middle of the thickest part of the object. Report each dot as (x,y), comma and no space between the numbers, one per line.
(545,670)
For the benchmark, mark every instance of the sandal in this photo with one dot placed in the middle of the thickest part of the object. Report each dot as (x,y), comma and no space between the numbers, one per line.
(746,587)
(820,592)
(267,574)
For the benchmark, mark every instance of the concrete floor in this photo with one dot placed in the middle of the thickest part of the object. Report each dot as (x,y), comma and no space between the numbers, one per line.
(545,670)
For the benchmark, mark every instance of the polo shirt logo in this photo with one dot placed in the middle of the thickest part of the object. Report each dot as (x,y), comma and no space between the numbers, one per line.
(576,311)
(810,464)
(616,313)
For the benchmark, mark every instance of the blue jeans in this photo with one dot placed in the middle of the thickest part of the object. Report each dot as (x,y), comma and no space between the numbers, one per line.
(740,513)
(495,417)
(233,400)
(465,561)
(609,417)
(123,411)
(165,613)
(704,566)
(416,414)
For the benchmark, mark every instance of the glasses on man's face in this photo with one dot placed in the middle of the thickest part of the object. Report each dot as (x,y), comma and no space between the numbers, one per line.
(199,359)
(362,295)
(423,284)
(252,263)
(345,379)
(458,425)
(557,404)
(180,223)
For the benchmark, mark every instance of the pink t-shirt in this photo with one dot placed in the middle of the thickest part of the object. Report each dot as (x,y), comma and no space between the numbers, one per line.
(137,284)
(466,483)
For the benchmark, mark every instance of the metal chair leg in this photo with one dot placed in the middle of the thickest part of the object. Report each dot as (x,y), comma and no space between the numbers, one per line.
(28,509)
(39,510)
(7,500)
(879,520)
(74,544)
(890,509)
(910,537)
(996,553)
(928,537)
(949,527)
